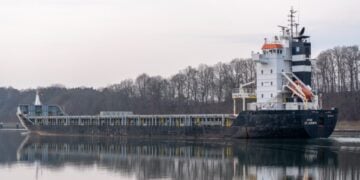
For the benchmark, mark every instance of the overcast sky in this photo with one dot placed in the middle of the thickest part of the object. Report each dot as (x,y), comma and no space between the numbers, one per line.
(101,42)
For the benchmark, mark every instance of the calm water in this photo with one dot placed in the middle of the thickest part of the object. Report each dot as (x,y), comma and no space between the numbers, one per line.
(33,157)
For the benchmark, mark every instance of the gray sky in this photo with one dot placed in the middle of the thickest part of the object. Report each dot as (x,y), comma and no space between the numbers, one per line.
(101,42)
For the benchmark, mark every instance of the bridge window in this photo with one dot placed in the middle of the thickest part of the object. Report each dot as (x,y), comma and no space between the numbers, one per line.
(271,71)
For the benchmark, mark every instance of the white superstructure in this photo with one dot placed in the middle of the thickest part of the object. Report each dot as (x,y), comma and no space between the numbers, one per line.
(283,73)
(270,64)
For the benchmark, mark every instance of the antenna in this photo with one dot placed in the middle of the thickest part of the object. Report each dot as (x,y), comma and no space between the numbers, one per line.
(283,28)
(299,10)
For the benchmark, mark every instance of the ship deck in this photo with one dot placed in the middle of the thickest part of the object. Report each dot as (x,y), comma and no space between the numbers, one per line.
(177,120)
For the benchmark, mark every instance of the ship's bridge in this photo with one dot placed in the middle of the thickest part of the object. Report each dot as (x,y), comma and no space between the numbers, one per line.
(274,48)
(269,50)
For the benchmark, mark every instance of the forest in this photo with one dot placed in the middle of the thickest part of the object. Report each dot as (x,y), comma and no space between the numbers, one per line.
(204,89)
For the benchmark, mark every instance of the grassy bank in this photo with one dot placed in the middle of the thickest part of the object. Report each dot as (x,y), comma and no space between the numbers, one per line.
(348,125)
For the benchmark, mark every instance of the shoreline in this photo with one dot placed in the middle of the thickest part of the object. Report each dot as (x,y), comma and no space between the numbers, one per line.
(341,126)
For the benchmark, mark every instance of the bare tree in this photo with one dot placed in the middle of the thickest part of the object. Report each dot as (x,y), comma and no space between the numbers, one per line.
(205,78)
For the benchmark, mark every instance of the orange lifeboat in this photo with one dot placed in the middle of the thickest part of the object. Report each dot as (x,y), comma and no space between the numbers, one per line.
(305,90)
(271,46)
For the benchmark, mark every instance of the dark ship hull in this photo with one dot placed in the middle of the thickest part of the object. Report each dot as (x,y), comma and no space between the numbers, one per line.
(248,124)
(287,123)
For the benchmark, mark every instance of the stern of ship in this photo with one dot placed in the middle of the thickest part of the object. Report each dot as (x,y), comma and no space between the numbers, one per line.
(301,124)
(320,123)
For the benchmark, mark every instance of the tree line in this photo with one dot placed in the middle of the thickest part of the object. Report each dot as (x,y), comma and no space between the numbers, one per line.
(337,77)
(205,89)
(338,69)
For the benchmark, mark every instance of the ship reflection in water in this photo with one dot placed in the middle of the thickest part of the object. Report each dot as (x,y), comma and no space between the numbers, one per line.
(61,157)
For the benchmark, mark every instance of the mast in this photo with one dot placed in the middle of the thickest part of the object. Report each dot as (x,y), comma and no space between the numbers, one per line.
(37,99)
(292,21)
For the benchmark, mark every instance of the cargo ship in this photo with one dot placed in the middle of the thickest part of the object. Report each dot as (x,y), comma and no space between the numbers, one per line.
(286,106)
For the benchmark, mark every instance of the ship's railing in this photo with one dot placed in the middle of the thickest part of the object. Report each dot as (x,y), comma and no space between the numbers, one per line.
(282,106)
(177,120)
(245,91)
(265,58)
(257,57)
